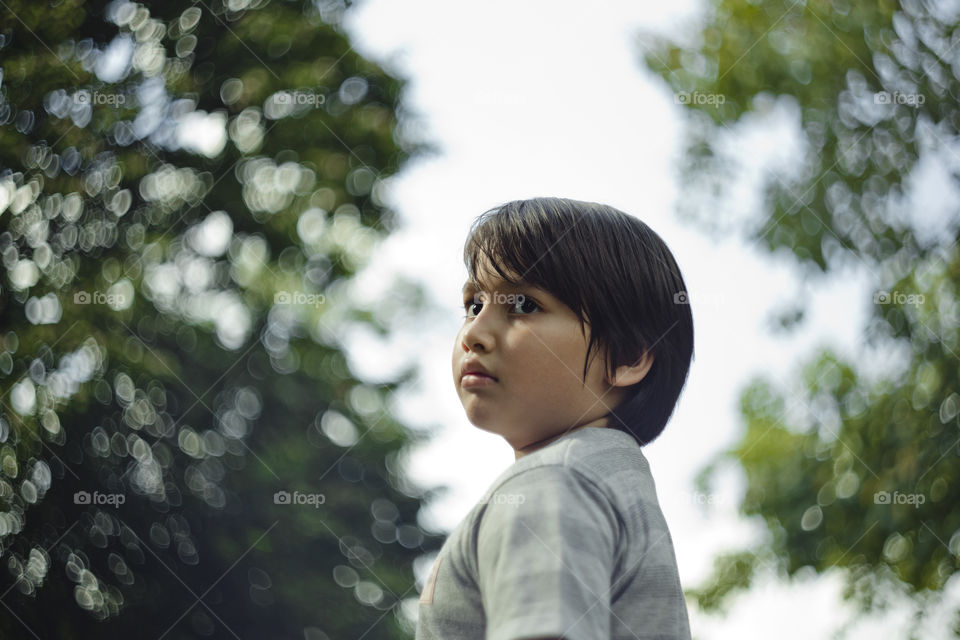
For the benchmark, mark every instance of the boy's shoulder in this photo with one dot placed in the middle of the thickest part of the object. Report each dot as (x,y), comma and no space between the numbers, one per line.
(609,459)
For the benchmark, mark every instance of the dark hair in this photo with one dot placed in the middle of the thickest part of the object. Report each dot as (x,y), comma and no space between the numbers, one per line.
(616,274)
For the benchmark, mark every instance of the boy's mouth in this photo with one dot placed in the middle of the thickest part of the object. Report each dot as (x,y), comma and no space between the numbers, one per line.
(473,369)
(471,380)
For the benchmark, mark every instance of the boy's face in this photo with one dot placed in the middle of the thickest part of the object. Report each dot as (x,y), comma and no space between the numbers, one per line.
(533,346)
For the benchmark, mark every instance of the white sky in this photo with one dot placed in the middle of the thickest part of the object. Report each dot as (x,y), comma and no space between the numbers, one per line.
(545,98)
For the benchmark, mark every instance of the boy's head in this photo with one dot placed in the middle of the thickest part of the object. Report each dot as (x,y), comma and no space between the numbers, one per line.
(555,284)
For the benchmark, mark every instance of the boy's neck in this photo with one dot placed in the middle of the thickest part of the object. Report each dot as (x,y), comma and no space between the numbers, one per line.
(599,423)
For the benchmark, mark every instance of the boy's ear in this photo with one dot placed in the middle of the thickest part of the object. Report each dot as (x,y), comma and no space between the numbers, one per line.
(629,374)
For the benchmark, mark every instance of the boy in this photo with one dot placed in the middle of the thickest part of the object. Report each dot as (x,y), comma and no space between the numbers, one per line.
(569,542)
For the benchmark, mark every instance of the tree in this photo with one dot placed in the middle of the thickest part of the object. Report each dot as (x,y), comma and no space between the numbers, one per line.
(186,190)
(862,476)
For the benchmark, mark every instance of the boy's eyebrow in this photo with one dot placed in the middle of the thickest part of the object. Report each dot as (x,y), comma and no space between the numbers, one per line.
(499,285)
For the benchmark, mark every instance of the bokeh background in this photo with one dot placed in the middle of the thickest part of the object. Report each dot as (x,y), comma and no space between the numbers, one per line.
(231,238)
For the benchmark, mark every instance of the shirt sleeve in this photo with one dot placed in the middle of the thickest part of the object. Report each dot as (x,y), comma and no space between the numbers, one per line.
(545,553)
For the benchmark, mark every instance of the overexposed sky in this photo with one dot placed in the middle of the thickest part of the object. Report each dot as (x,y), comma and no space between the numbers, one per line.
(546,98)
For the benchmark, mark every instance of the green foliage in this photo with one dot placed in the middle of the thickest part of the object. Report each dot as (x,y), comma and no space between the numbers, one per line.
(854,466)
(171,378)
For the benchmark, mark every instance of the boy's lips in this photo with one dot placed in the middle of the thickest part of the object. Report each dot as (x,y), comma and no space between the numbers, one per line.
(474,380)
(473,369)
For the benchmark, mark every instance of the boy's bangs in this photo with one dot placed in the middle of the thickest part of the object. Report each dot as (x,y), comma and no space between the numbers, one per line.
(520,246)
(498,243)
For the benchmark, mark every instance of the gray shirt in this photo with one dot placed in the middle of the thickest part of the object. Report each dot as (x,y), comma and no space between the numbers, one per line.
(568,542)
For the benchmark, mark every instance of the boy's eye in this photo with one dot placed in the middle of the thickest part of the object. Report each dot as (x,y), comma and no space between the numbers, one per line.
(525,305)
(517,304)
(468,304)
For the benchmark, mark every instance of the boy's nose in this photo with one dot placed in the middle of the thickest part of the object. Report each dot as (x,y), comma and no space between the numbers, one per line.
(478,335)
(472,342)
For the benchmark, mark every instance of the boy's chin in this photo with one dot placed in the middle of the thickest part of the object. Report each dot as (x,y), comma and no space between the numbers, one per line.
(480,414)
(497,428)
(485,425)
(490,425)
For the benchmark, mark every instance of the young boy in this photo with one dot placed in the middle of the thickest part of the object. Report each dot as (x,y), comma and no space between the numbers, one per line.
(569,542)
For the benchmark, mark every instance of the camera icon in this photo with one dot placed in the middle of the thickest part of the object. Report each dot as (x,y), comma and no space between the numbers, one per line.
(281,497)
(882,97)
(881,297)
(81,497)
(281,297)
(881,497)
(680,297)
(81,297)
(681,98)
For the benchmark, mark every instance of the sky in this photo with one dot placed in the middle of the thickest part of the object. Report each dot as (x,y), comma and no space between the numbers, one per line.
(542,98)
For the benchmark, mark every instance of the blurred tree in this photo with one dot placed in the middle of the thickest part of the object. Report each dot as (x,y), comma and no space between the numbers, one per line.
(186,190)
(854,468)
